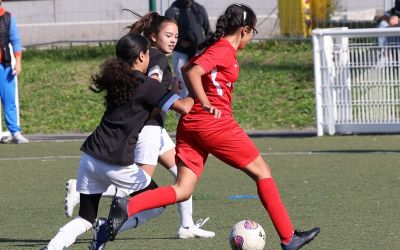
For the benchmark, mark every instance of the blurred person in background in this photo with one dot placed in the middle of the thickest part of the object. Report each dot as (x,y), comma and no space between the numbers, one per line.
(9,35)
(194,27)
(389,19)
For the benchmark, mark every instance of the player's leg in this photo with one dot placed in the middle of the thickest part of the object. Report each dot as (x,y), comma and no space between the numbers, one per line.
(100,234)
(91,188)
(234,147)
(268,192)
(187,229)
(123,208)
(72,197)
(146,155)
(192,159)
(130,180)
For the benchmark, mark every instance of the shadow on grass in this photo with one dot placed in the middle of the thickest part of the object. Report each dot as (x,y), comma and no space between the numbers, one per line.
(29,243)
(24,242)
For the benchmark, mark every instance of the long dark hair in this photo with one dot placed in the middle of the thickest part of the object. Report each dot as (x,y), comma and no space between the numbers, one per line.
(235,16)
(148,24)
(116,75)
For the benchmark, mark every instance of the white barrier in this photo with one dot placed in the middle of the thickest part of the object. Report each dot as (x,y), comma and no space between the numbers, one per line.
(357,81)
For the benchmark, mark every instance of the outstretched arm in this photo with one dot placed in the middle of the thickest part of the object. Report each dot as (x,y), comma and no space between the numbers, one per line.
(183,106)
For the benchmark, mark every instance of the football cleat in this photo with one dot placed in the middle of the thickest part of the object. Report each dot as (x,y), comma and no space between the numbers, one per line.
(195,231)
(117,216)
(72,198)
(100,234)
(300,239)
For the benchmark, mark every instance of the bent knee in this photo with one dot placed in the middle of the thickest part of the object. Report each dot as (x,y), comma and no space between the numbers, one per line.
(182,194)
(258,169)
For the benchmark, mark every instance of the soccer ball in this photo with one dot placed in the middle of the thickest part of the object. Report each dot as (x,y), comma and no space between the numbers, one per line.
(247,235)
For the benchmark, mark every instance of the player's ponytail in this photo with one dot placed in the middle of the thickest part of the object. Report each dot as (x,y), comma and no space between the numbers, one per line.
(149,24)
(235,16)
(219,32)
(116,75)
(145,24)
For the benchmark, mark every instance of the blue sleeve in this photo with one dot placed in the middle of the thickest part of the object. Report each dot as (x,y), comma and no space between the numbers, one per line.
(14,36)
(159,96)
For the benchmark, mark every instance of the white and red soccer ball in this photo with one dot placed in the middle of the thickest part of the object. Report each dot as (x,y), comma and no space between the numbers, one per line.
(247,235)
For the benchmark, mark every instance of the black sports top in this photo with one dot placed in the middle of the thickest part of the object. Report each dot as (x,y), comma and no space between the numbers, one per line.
(158,64)
(114,139)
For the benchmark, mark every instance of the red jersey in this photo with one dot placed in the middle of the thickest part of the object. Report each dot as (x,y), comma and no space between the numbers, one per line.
(219,61)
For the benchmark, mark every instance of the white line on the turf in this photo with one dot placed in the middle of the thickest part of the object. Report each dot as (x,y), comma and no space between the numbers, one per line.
(56,157)
(39,158)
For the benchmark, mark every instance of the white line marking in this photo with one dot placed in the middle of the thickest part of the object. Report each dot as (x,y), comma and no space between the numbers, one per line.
(310,153)
(39,158)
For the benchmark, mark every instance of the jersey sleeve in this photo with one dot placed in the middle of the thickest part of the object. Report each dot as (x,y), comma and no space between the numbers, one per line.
(211,57)
(157,65)
(159,96)
(14,37)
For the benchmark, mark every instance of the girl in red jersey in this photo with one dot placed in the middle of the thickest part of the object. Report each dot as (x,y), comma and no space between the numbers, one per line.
(210,128)
(154,143)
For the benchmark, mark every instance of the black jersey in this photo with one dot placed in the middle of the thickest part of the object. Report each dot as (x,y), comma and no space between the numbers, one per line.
(158,64)
(114,140)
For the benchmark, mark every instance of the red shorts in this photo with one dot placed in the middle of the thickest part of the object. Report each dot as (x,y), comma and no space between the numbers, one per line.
(231,145)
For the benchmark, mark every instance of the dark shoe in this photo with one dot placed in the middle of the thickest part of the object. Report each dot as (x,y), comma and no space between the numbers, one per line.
(300,239)
(100,234)
(117,217)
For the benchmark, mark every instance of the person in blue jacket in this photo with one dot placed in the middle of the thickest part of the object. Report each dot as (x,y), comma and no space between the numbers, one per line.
(9,35)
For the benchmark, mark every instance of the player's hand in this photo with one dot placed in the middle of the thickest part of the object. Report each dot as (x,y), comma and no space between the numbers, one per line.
(17,69)
(212,110)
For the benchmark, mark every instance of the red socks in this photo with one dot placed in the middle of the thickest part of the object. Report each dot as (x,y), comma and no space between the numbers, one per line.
(271,200)
(267,191)
(159,197)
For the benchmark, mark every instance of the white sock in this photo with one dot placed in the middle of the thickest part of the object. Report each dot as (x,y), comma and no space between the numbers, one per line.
(141,218)
(67,235)
(174,171)
(185,208)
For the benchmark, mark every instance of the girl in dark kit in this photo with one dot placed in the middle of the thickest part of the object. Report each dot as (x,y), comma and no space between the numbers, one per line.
(107,157)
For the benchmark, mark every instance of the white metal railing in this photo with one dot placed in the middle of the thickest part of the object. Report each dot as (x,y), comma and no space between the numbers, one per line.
(357,80)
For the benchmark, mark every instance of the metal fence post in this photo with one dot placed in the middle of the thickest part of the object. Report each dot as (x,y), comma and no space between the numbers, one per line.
(152,5)
(317,80)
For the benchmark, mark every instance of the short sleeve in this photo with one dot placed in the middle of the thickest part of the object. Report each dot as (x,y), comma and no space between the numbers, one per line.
(212,57)
(159,96)
(158,65)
